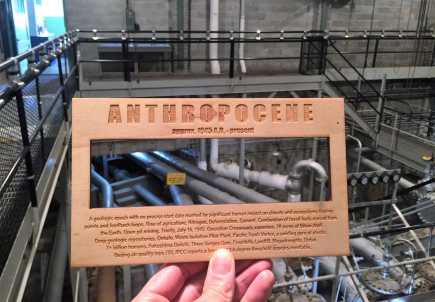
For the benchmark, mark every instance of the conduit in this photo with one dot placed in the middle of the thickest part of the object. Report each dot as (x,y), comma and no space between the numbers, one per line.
(213,46)
(245,194)
(160,169)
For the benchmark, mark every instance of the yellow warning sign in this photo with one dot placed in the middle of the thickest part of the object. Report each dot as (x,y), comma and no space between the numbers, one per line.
(175,178)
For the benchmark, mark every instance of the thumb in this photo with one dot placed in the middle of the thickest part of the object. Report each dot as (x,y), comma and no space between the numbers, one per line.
(219,283)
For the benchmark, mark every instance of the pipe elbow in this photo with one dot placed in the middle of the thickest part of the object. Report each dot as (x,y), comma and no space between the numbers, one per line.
(302,165)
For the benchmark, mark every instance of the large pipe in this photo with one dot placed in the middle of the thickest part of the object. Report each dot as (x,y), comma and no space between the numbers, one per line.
(327,265)
(213,46)
(245,194)
(160,169)
(372,253)
(289,183)
(403,182)
(105,188)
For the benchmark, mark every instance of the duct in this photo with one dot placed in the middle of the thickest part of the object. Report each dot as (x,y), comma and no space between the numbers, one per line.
(145,194)
(245,194)
(375,166)
(105,188)
(242,36)
(213,46)
(160,170)
(347,288)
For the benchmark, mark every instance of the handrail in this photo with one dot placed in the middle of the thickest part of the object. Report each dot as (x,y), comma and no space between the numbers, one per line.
(32,51)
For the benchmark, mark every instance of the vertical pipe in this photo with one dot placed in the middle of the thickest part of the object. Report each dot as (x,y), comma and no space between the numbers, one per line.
(375,52)
(180,25)
(242,36)
(126,65)
(336,280)
(231,69)
(213,45)
(242,162)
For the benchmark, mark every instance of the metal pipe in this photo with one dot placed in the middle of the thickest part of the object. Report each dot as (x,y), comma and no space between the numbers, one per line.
(413,234)
(241,37)
(160,169)
(213,46)
(140,190)
(105,188)
(359,271)
(329,266)
(242,162)
(375,166)
(245,194)
(372,253)
(179,197)
(360,146)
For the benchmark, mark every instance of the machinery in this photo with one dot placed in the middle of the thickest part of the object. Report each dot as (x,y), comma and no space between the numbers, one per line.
(391,190)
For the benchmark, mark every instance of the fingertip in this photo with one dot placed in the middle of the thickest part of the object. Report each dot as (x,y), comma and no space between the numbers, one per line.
(260,288)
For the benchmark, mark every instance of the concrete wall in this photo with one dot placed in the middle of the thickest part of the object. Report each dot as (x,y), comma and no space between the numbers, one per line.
(264,15)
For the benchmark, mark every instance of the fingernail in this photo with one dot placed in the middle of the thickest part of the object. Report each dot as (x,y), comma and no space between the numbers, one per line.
(222,262)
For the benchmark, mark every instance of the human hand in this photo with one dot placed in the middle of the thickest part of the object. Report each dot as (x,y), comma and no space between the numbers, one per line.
(224,281)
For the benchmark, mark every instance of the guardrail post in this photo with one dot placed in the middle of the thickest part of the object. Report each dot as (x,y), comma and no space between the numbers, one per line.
(231,71)
(126,65)
(375,52)
(30,175)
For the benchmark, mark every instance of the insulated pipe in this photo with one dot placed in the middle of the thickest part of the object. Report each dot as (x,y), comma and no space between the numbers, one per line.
(242,36)
(105,188)
(245,194)
(213,46)
(358,141)
(232,171)
(160,170)
(371,252)
(347,288)
(375,166)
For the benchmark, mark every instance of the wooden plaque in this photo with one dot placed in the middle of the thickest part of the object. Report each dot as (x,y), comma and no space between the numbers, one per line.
(159,234)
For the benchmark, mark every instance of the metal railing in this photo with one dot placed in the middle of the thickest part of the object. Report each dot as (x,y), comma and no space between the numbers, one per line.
(33,106)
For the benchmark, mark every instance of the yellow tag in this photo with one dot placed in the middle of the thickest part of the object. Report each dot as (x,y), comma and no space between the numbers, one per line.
(175,178)
(426,157)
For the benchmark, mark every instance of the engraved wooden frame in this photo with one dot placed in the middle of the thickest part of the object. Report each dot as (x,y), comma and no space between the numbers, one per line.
(271,118)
